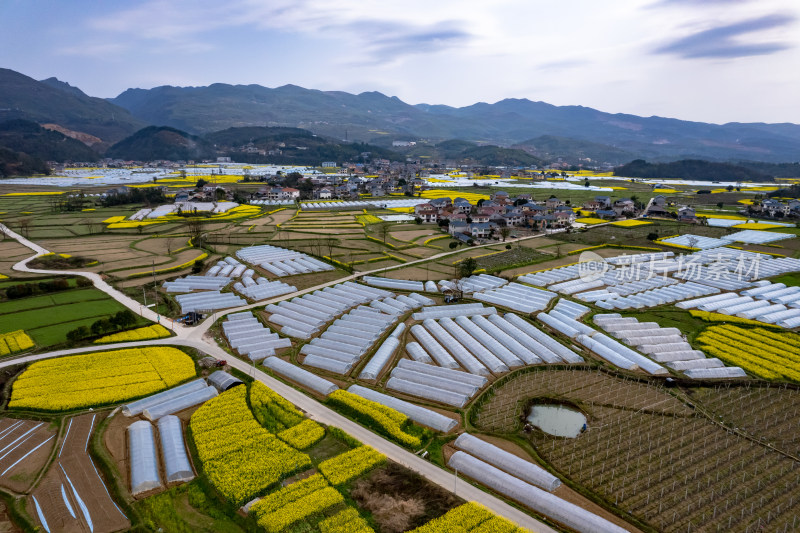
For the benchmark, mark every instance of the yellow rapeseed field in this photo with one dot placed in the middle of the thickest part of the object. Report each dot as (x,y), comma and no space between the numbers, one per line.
(100,378)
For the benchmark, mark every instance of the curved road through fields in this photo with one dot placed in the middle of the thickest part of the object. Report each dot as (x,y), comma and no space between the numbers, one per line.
(195,338)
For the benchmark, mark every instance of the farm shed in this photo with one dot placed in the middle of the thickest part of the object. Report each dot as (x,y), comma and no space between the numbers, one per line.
(223,381)
(143,459)
(176,463)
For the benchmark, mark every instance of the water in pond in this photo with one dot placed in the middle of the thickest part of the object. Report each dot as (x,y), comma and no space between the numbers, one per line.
(557,420)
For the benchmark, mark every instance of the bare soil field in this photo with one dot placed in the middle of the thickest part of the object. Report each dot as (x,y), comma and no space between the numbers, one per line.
(27,445)
(72,496)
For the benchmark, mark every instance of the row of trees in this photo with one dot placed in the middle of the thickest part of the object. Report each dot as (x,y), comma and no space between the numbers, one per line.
(116,322)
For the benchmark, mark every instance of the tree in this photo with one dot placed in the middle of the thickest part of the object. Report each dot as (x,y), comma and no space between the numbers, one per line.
(586,183)
(417,220)
(467,267)
(201,183)
(504,233)
(24,226)
(453,245)
(194,226)
(652,236)
(720,205)
(219,194)
(383,231)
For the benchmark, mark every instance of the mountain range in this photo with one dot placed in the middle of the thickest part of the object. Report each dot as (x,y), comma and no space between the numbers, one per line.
(542,130)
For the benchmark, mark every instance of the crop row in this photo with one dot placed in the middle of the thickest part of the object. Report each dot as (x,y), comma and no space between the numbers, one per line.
(272,410)
(760,358)
(304,435)
(350,465)
(386,420)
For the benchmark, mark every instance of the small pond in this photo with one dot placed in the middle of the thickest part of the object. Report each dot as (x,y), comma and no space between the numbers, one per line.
(557,420)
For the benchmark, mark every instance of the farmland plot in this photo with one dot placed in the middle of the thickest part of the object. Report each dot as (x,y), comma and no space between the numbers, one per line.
(650,455)
(25,445)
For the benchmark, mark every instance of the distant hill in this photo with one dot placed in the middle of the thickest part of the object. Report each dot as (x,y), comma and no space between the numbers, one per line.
(52,101)
(573,151)
(40,143)
(286,146)
(370,115)
(154,142)
(489,155)
(690,170)
(19,164)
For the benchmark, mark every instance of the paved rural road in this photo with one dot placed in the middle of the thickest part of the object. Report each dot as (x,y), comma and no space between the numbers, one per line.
(194,338)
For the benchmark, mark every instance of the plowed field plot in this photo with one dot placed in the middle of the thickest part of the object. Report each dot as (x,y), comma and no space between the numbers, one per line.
(72,496)
(25,446)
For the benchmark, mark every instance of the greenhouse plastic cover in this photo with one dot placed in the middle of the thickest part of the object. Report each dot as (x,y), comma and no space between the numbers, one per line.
(299,375)
(459,352)
(454,375)
(378,361)
(223,381)
(533,344)
(503,353)
(143,458)
(430,393)
(537,499)
(508,462)
(716,373)
(543,338)
(418,353)
(435,382)
(138,407)
(176,462)
(180,403)
(433,348)
(418,414)
(506,340)
(484,355)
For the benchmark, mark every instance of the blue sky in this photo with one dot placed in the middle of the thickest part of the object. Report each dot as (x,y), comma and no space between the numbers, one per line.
(706,60)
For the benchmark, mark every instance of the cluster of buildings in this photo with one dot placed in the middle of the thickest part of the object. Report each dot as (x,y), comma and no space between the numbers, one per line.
(465,221)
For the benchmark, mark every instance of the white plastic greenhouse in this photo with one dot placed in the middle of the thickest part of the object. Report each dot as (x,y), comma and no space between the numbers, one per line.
(300,376)
(176,462)
(434,394)
(506,340)
(381,358)
(504,354)
(544,339)
(418,414)
(280,261)
(138,407)
(486,357)
(458,351)
(716,373)
(398,284)
(517,297)
(143,458)
(179,404)
(418,353)
(223,381)
(508,462)
(539,500)
(432,347)
(441,311)
(196,283)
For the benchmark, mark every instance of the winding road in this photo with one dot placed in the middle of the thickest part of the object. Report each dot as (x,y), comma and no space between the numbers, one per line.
(195,338)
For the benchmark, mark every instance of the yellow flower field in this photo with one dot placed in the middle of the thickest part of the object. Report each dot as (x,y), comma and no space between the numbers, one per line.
(239,456)
(294,503)
(708,316)
(666,191)
(304,435)
(758,225)
(350,465)
(470,517)
(14,341)
(765,353)
(100,378)
(471,197)
(630,223)
(590,220)
(156,331)
(347,521)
